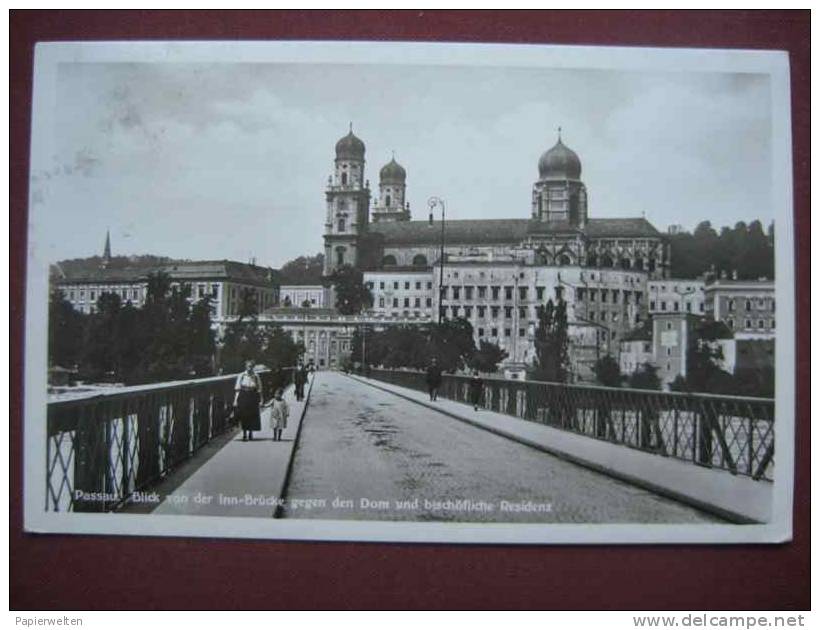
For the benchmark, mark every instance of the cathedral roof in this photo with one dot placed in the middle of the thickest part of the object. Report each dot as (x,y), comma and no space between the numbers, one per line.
(559,162)
(350,147)
(392,173)
(488,231)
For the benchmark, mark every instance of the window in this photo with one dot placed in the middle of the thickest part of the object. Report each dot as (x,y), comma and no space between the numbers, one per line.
(669,352)
(701,307)
(417,303)
(522,312)
(389,261)
(406,302)
(420,260)
(344,179)
(559,293)
(482,292)
(688,307)
(494,312)
(381,285)
(760,323)
(592,316)
(429,302)
(677,306)
(730,322)
(381,302)
(342,226)
(663,305)
(522,293)
(429,285)
(507,332)
(507,312)
(748,305)
(468,293)
(539,292)
(616,294)
(508,291)
(651,305)
(468,312)
(124,294)
(395,302)
(340,255)
(418,286)
(482,310)
(731,305)
(495,291)
(747,323)
(522,332)
(604,295)
(387,200)
(456,292)
(580,293)
(135,293)
(395,286)
(92,295)
(406,286)
(603,316)
(668,325)
(494,332)
(593,295)
(369,285)
(480,332)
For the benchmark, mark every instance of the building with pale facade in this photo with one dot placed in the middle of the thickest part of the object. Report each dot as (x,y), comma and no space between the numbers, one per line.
(226,282)
(304,295)
(747,307)
(676,296)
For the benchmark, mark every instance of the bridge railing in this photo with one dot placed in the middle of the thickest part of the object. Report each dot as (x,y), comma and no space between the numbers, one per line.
(102,448)
(734,433)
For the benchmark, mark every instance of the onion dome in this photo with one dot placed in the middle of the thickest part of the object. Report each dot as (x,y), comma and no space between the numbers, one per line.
(350,147)
(560,162)
(392,173)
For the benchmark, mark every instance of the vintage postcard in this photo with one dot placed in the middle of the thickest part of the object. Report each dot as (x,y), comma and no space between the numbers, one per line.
(410,292)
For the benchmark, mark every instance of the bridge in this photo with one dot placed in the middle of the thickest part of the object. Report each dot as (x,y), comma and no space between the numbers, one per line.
(375,447)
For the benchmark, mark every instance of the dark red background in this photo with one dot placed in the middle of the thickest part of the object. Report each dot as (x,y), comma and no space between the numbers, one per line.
(91,572)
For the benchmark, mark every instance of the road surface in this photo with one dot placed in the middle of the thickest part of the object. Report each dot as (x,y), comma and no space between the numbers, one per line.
(368,454)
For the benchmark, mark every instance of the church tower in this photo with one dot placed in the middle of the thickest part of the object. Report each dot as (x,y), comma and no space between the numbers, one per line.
(559,197)
(391,204)
(348,204)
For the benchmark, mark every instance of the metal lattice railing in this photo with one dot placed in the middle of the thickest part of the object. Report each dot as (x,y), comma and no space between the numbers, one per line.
(733,433)
(102,448)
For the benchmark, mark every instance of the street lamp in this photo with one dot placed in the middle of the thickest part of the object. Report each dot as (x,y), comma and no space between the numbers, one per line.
(432,202)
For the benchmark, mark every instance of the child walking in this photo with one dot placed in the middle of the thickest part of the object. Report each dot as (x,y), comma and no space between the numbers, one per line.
(278,414)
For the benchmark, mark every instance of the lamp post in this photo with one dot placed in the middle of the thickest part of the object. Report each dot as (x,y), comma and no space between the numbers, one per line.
(432,202)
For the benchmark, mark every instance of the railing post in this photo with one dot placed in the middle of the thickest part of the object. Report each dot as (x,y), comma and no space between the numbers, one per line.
(89,465)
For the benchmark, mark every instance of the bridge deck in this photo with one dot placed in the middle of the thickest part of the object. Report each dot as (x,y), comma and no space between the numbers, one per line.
(240,469)
(735,497)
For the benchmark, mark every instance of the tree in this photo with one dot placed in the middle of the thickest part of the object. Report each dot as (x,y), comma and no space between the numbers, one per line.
(303,270)
(645,377)
(487,357)
(607,371)
(65,331)
(451,342)
(100,359)
(552,343)
(352,296)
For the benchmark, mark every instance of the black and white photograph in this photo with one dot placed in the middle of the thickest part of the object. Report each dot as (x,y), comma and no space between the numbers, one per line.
(450,293)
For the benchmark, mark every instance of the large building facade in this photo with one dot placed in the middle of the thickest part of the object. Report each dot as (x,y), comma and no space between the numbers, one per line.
(496,272)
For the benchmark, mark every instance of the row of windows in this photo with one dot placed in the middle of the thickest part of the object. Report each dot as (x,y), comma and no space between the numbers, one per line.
(428,302)
(760,304)
(675,306)
(750,324)
(522,332)
(396,285)
(495,292)
(608,295)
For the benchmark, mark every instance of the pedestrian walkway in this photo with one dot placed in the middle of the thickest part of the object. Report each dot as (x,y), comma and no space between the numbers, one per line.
(242,478)
(734,497)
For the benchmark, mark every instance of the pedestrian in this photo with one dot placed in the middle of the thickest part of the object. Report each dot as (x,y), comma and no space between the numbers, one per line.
(247,400)
(476,389)
(433,379)
(278,414)
(299,380)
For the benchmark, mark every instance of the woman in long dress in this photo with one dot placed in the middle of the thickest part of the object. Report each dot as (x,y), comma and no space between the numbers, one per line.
(246,401)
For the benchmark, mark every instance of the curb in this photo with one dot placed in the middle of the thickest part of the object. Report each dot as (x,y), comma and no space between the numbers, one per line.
(277,513)
(729,515)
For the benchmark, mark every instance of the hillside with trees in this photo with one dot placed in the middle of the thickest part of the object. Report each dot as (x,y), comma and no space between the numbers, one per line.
(745,249)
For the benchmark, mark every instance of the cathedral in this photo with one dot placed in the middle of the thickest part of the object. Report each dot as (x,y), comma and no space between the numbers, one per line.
(559,231)
(496,272)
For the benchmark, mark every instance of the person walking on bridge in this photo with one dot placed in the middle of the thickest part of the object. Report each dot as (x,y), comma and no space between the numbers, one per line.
(279,414)
(433,379)
(476,390)
(247,400)
(299,379)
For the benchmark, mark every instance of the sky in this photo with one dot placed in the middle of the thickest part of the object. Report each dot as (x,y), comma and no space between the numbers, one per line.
(213,161)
